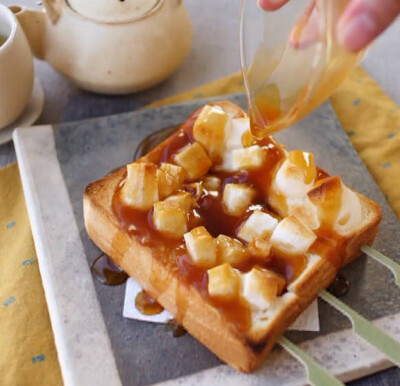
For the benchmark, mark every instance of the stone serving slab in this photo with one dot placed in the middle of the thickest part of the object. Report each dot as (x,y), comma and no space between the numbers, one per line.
(95,344)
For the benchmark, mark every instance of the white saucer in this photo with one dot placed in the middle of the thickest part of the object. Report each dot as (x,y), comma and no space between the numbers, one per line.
(31,113)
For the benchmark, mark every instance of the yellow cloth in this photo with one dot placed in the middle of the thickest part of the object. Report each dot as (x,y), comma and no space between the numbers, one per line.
(27,351)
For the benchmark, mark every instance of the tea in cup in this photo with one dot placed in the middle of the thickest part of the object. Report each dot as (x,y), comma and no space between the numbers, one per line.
(16,68)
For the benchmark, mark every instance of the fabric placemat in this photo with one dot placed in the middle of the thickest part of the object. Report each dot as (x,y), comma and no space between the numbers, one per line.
(28,355)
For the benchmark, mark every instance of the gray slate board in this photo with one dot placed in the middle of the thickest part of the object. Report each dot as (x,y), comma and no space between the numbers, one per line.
(147,353)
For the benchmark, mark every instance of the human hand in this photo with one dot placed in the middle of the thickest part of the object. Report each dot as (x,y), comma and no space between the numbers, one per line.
(360,23)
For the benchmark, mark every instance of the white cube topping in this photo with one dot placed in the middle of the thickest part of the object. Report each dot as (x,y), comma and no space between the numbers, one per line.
(291,236)
(248,158)
(296,175)
(235,133)
(258,225)
(304,210)
(237,198)
(338,207)
(259,289)
(235,129)
(209,130)
(350,215)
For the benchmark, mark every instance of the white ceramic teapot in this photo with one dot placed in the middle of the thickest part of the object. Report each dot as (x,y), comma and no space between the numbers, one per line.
(109,46)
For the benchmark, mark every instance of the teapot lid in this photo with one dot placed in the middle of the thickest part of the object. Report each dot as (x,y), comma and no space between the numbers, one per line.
(114,11)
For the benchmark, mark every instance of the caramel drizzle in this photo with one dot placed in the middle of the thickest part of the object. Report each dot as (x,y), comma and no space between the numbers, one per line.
(146,305)
(210,213)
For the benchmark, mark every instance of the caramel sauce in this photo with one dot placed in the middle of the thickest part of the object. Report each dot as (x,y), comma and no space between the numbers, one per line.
(164,150)
(106,272)
(321,174)
(192,274)
(138,223)
(153,140)
(215,219)
(177,329)
(266,105)
(146,305)
(181,299)
(327,245)
(238,312)
(210,213)
(277,101)
(340,286)
(289,266)
(235,311)
(305,161)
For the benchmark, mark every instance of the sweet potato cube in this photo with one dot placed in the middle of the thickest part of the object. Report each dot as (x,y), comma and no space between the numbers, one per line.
(202,247)
(140,190)
(291,236)
(194,160)
(258,225)
(230,251)
(209,130)
(223,282)
(248,158)
(169,219)
(237,198)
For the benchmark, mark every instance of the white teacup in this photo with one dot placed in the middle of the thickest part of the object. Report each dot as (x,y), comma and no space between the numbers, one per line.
(16,68)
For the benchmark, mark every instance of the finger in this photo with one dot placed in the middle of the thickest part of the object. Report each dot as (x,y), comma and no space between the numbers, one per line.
(364,20)
(271,5)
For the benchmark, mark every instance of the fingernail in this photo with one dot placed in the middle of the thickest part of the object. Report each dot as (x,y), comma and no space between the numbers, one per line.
(270,4)
(357,32)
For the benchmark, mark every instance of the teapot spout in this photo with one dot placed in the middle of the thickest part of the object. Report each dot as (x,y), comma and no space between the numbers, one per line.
(33,22)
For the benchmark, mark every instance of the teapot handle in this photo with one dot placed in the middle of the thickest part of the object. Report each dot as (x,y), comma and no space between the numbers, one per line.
(53,9)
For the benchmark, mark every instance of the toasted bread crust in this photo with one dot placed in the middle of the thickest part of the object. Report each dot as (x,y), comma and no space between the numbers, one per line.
(184,301)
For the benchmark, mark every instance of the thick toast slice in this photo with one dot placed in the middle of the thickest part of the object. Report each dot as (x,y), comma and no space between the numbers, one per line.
(212,323)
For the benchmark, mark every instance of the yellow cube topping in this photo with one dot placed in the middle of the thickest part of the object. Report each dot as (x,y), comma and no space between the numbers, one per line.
(140,190)
(201,246)
(194,160)
(169,218)
(209,130)
(230,251)
(223,282)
